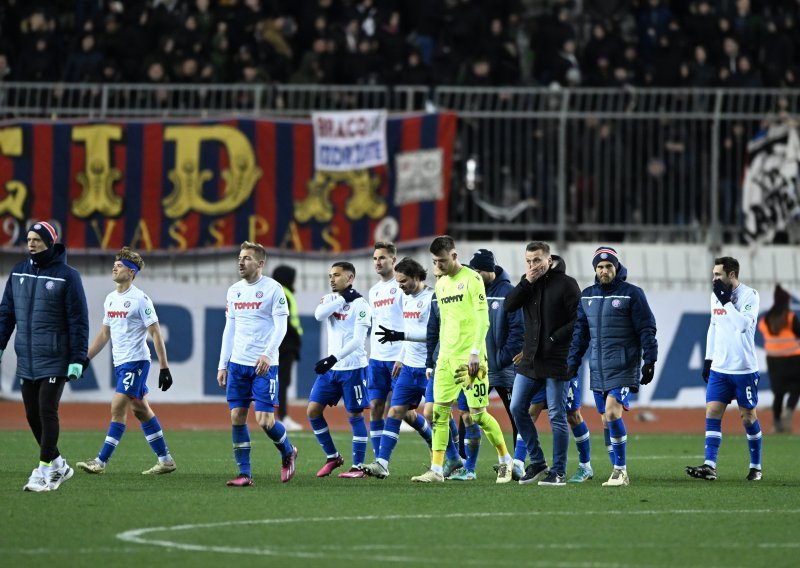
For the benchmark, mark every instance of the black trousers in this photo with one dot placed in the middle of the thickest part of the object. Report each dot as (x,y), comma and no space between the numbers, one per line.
(286,361)
(41,400)
(784,376)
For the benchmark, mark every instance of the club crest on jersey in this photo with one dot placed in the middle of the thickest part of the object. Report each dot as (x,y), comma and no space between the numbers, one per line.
(393,291)
(495,305)
(127,304)
(259,294)
(616,303)
(419,304)
(461,286)
(346,307)
(49,285)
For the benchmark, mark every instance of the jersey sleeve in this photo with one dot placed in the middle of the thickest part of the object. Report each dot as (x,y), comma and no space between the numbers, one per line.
(363,312)
(147,311)
(280,307)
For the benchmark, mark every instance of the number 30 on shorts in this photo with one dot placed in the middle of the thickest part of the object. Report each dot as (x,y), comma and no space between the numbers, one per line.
(479,389)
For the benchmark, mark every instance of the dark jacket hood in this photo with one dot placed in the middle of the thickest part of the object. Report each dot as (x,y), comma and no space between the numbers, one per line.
(285,276)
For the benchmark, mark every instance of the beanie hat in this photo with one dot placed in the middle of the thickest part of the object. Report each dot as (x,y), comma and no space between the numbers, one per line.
(782,297)
(605,253)
(483,259)
(46,232)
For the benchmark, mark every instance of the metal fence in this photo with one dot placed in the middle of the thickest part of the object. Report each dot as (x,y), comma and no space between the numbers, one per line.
(569,164)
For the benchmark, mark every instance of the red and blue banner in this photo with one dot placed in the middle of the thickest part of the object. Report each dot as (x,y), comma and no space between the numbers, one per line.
(176,185)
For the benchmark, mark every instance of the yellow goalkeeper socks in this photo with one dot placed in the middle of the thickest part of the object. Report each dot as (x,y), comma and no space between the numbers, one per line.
(492,430)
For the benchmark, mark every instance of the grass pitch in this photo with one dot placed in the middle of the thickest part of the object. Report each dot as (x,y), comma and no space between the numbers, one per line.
(190,518)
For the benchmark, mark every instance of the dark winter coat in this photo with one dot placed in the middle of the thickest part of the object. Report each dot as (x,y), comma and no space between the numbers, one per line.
(47,305)
(549,309)
(504,339)
(617,322)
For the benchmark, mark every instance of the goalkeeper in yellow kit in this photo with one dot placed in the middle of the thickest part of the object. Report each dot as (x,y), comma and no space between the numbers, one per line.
(461,364)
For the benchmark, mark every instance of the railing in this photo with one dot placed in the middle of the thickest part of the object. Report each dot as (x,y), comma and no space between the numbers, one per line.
(567,164)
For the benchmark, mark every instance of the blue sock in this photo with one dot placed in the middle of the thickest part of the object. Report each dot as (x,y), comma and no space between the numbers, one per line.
(451,452)
(391,432)
(520,449)
(472,445)
(713,440)
(581,434)
(320,427)
(609,447)
(422,427)
(754,443)
(241,447)
(113,437)
(375,433)
(155,437)
(359,438)
(619,441)
(278,436)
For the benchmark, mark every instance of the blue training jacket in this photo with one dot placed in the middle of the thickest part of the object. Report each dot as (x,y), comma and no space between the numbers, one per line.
(617,322)
(506,331)
(47,305)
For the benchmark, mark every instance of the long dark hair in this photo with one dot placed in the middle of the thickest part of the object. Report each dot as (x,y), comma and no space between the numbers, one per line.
(778,314)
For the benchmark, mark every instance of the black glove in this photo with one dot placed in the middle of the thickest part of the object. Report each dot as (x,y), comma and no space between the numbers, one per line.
(648,371)
(722,291)
(164,379)
(325,365)
(389,335)
(350,294)
(572,372)
(706,369)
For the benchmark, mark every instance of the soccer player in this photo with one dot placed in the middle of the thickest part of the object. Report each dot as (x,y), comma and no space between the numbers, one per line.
(256,318)
(503,342)
(128,317)
(408,387)
(731,369)
(616,319)
(461,364)
(343,373)
(386,300)
(45,302)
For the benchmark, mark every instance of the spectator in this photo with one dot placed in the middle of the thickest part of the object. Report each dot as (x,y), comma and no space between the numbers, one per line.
(84,65)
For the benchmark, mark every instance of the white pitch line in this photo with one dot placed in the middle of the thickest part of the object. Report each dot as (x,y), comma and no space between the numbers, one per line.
(137,536)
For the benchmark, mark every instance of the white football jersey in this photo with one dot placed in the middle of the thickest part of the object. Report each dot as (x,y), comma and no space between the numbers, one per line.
(128,315)
(386,301)
(341,325)
(730,343)
(253,307)
(416,310)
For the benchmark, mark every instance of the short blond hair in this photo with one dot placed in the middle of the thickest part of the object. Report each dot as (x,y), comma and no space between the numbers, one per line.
(260,251)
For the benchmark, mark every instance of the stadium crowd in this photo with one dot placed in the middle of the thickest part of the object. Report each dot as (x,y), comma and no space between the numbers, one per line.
(595,43)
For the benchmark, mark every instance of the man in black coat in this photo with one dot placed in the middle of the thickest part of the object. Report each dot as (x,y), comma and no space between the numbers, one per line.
(549,301)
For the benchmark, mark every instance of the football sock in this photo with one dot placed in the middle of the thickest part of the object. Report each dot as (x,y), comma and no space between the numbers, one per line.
(113,437)
(421,426)
(46,469)
(754,443)
(472,445)
(391,432)
(609,447)
(714,440)
(375,433)
(520,449)
(323,434)
(619,441)
(441,431)
(155,437)
(278,436)
(241,447)
(581,434)
(360,435)
(493,432)
(451,450)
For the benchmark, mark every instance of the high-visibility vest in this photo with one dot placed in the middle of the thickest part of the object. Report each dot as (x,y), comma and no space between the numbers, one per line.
(785,343)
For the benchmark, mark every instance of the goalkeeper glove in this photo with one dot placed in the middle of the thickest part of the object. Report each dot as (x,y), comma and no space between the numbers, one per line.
(389,335)
(648,372)
(349,294)
(706,369)
(325,365)
(722,291)
(462,375)
(164,379)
